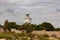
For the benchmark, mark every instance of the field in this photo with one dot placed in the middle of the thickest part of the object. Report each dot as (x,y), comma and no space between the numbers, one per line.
(26,36)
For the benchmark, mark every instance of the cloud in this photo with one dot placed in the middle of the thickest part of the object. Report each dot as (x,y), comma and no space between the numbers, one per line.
(41,10)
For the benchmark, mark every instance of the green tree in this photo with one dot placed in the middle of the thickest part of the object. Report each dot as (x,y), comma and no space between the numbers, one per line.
(28,27)
(47,26)
(6,25)
(19,27)
(11,25)
(56,29)
(34,26)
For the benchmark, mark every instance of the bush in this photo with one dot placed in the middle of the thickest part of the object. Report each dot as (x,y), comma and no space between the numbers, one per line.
(45,35)
(8,35)
(53,35)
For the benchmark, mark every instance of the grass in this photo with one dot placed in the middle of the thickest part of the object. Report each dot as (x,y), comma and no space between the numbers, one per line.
(22,36)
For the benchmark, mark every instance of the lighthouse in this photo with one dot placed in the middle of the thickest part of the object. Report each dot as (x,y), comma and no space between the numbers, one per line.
(27,18)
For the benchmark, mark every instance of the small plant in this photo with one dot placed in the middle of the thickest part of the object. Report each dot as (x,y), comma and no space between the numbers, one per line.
(46,35)
(43,37)
(53,35)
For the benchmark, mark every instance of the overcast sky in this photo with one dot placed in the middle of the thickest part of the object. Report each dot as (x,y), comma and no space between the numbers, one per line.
(40,11)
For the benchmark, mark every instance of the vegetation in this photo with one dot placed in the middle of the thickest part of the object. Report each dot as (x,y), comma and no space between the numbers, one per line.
(17,36)
(57,29)
(28,27)
(47,26)
(7,35)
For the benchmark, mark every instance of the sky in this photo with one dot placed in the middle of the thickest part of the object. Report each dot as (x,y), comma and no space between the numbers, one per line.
(40,11)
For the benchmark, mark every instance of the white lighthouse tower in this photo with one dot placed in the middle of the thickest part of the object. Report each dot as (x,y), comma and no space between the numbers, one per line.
(27,18)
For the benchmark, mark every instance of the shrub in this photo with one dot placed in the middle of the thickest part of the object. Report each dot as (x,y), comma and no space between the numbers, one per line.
(53,35)
(46,35)
(43,37)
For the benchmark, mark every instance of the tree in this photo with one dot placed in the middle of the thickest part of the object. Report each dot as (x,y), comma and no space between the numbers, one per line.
(19,27)
(56,29)
(11,25)
(28,27)
(47,26)
(6,25)
(33,26)
(39,27)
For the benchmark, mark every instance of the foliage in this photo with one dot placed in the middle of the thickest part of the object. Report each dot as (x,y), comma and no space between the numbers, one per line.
(47,26)
(42,37)
(11,25)
(57,29)
(6,25)
(6,35)
(29,27)
(46,35)
(53,35)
